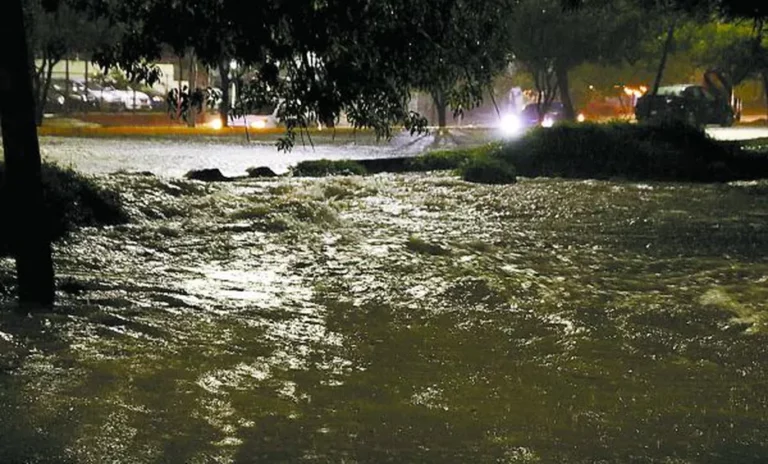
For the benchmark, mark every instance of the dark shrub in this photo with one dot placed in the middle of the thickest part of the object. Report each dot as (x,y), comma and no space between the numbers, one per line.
(377,165)
(206,175)
(71,201)
(488,170)
(443,160)
(261,172)
(322,168)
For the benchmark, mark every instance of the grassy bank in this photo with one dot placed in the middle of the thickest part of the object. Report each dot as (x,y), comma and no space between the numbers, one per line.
(583,151)
(443,160)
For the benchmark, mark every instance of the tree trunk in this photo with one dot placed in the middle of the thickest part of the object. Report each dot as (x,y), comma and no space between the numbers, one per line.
(192,88)
(664,56)
(765,89)
(180,100)
(28,234)
(67,86)
(43,95)
(225,83)
(565,92)
(85,77)
(546,89)
(440,105)
(37,87)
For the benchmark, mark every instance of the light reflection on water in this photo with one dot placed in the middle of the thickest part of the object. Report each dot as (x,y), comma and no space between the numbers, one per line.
(418,318)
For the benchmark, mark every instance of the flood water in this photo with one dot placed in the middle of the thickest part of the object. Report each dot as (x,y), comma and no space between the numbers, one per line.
(232,155)
(395,318)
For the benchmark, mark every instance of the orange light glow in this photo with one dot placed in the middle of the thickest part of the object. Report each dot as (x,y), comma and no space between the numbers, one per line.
(635,91)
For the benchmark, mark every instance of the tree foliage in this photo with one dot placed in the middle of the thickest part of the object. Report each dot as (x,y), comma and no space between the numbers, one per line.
(735,48)
(316,57)
(56,30)
(550,41)
(460,50)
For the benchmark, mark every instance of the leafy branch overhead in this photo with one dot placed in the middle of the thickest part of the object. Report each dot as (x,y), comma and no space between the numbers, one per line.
(321,58)
(459,51)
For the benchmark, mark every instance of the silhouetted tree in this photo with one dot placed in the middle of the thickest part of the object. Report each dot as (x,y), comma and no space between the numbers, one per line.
(29,238)
(461,46)
(318,58)
(54,34)
(550,41)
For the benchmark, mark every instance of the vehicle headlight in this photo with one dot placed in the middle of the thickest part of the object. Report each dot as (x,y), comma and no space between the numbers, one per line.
(259,124)
(581,117)
(510,125)
(548,121)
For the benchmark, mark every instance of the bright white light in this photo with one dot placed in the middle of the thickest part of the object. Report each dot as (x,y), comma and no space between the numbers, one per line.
(581,117)
(510,125)
(547,122)
(259,124)
(216,124)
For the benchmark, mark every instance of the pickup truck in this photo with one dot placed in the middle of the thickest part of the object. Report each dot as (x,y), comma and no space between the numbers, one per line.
(688,103)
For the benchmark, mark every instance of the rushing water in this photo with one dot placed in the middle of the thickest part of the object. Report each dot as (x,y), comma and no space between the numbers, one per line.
(400,318)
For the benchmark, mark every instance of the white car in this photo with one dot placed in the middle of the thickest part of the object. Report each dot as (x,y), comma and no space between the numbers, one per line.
(268,117)
(107,98)
(135,99)
(264,118)
(132,99)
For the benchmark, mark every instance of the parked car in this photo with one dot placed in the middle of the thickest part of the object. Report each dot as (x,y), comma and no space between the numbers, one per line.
(106,98)
(687,103)
(59,101)
(158,100)
(131,98)
(54,102)
(89,96)
(266,117)
(75,98)
(135,99)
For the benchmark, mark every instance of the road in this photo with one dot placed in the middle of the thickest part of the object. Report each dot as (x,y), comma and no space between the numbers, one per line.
(737,133)
(176,157)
